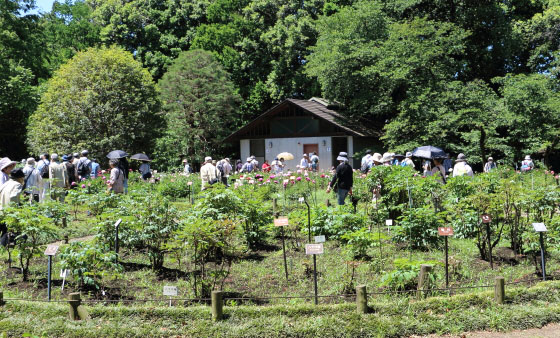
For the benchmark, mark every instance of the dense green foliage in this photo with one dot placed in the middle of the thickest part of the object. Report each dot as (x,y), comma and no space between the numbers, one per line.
(101,100)
(196,93)
(474,77)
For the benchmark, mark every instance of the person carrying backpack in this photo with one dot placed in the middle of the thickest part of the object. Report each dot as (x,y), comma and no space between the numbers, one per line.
(314,161)
(527,164)
(248,166)
(84,166)
(32,181)
(70,172)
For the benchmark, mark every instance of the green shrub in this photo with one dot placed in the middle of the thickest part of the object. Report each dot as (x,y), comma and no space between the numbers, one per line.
(405,275)
(89,263)
(418,227)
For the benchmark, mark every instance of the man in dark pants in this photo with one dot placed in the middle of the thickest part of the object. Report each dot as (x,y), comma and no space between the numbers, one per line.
(343,179)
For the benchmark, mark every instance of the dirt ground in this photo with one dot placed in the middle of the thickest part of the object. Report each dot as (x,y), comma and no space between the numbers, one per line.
(549,331)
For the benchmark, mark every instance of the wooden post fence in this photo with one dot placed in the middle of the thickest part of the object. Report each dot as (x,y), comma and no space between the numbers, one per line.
(217,306)
(361,299)
(499,290)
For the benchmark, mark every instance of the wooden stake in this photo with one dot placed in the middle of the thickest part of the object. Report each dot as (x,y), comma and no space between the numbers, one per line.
(217,305)
(499,290)
(422,278)
(74,300)
(361,299)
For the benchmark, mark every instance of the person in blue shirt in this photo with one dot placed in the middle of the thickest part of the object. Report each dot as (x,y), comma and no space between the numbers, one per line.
(94,168)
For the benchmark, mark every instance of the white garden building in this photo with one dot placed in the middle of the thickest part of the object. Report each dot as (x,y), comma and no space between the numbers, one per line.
(304,126)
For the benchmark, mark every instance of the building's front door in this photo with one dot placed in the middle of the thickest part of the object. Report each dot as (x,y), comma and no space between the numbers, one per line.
(310,148)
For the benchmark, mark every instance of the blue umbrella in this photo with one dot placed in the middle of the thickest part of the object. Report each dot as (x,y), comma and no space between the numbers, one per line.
(116,154)
(429,152)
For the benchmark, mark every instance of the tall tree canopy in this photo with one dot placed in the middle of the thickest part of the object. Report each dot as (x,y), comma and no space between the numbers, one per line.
(101,100)
(199,104)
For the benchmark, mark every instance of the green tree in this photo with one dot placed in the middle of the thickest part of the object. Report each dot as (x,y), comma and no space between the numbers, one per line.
(68,29)
(199,102)
(155,31)
(101,100)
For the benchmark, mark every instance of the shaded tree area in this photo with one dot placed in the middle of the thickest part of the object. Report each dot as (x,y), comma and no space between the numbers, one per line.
(478,77)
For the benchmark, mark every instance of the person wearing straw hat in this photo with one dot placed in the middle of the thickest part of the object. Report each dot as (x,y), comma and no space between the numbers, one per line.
(407,162)
(461,167)
(387,159)
(6,167)
(343,179)
(527,164)
(490,165)
(377,159)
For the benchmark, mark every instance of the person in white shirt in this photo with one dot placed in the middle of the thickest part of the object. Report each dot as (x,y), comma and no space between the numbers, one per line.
(32,180)
(304,163)
(248,166)
(208,174)
(461,167)
(527,164)
(277,166)
(490,165)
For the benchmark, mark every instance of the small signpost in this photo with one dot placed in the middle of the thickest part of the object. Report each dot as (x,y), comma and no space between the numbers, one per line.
(389,223)
(117,223)
(282,222)
(170,291)
(50,251)
(541,229)
(314,249)
(320,239)
(63,275)
(446,232)
(191,191)
(486,219)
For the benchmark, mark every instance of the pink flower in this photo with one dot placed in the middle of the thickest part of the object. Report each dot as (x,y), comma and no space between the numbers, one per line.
(130,170)
(103,171)
(298,178)
(313,181)
(276,182)
(74,184)
(322,175)
(285,184)
(307,179)
(83,186)
(546,172)
(423,176)
(306,174)
(272,176)
(83,178)
(260,179)
(552,172)
(108,181)
(268,181)
(241,176)
(299,171)
(557,176)
(89,184)
(247,178)
(104,178)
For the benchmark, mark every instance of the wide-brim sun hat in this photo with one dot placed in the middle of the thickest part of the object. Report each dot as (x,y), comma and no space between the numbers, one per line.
(6,162)
(408,154)
(387,157)
(528,157)
(249,159)
(342,156)
(461,158)
(377,157)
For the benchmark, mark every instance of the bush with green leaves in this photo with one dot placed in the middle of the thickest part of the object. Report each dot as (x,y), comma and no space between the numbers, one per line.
(405,275)
(176,186)
(418,228)
(359,242)
(334,222)
(89,263)
(32,230)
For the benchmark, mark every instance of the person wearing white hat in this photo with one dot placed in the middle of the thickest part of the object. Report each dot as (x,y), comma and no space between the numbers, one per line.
(461,167)
(248,166)
(255,163)
(367,162)
(490,165)
(527,164)
(407,162)
(343,179)
(208,173)
(304,163)
(387,159)
(377,159)
(33,180)
(6,167)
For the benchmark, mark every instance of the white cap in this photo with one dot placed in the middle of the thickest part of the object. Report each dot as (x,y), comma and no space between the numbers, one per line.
(249,159)
(208,159)
(54,157)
